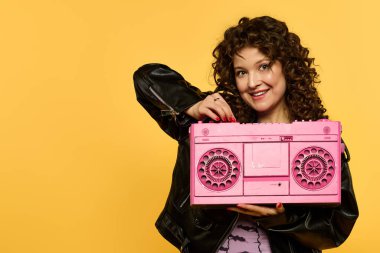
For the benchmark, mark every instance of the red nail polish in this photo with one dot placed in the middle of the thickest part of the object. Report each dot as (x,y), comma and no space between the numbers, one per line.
(217,119)
(279,205)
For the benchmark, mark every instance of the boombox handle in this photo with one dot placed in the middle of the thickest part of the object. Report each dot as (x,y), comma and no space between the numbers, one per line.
(345,153)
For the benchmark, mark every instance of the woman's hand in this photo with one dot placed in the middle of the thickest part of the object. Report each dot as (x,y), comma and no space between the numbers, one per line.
(258,211)
(214,107)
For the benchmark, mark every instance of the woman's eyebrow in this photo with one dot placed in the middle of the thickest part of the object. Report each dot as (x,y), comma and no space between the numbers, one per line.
(256,63)
(263,59)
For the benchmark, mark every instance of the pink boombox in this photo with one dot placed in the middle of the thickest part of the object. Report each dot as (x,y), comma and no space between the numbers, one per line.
(265,163)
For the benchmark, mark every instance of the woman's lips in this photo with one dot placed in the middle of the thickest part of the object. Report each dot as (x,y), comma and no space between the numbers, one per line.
(259,94)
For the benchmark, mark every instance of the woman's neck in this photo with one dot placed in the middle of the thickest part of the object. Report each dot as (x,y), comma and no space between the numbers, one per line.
(281,116)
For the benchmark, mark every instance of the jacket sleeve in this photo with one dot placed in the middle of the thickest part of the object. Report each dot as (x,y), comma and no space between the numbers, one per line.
(165,95)
(319,227)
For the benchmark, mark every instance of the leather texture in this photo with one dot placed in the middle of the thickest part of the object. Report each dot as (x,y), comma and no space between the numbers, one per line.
(165,95)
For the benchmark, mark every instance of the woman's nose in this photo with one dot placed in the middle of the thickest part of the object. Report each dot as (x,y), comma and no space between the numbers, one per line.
(253,80)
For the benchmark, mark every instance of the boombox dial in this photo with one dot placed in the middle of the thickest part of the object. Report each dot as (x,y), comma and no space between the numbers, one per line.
(313,168)
(218,169)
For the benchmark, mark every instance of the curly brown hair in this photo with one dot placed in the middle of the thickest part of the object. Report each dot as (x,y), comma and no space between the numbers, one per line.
(272,38)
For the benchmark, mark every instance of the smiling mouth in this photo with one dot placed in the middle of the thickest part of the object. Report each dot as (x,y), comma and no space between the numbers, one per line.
(260,93)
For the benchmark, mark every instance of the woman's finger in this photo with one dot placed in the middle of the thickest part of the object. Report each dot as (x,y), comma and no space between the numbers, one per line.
(212,103)
(243,211)
(226,107)
(261,210)
(210,113)
(220,103)
(280,208)
(214,107)
(258,211)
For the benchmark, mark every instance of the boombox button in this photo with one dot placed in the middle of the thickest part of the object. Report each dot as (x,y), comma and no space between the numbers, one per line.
(286,138)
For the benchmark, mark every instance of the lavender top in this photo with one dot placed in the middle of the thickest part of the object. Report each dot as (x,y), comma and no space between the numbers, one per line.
(246,237)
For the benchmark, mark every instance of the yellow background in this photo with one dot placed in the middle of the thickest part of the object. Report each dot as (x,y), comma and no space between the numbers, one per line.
(83,168)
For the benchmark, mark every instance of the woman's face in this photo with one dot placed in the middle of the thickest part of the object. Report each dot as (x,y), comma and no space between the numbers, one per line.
(261,84)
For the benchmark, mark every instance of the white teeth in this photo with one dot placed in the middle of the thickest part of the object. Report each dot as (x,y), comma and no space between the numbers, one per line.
(259,93)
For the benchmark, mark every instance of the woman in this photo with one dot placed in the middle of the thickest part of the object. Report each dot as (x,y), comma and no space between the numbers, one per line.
(263,75)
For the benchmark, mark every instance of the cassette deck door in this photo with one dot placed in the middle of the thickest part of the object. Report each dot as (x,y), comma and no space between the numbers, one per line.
(266,159)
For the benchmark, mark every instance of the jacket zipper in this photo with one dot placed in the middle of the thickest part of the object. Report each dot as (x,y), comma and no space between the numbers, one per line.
(290,247)
(184,202)
(227,233)
(171,111)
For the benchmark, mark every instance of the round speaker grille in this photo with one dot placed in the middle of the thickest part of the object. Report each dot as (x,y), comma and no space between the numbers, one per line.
(313,168)
(218,169)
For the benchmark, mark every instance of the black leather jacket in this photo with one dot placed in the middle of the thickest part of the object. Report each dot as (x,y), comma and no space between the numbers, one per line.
(165,94)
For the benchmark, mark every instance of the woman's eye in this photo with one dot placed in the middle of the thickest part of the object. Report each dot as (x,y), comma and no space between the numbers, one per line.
(264,66)
(240,73)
